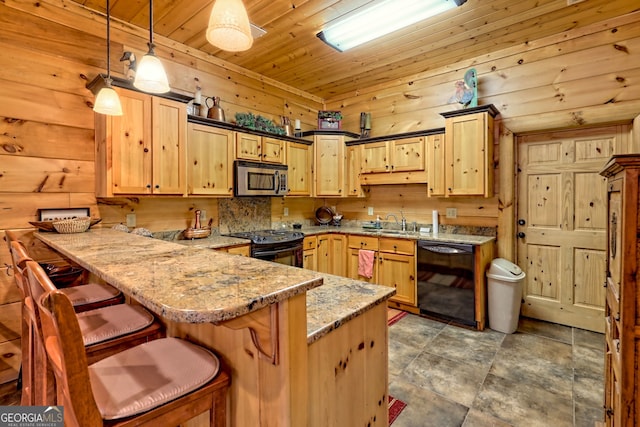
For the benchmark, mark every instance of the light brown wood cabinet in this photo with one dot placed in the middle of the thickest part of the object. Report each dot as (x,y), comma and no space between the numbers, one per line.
(330,165)
(399,161)
(259,148)
(300,163)
(622,310)
(242,250)
(397,269)
(353,171)
(209,161)
(468,152)
(310,253)
(355,243)
(142,151)
(331,254)
(435,165)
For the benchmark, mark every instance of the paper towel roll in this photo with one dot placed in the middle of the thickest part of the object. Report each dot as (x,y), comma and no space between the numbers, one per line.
(435,222)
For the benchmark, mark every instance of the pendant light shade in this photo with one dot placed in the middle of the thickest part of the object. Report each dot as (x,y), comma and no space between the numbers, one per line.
(150,75)
(229,27)
(107,101)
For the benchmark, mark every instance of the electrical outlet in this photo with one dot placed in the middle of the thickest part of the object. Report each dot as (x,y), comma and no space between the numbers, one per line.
(452,212)
(334,209)
(370,210)
(203,216)
(286,212)
(131,220)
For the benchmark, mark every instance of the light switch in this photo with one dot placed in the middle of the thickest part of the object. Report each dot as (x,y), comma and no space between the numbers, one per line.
(370,210)
(131,220)
(286,212)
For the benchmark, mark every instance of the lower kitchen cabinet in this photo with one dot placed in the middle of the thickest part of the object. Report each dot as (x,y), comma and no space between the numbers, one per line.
(310,253)
(397,268)
(355,244)
(331,254)
(243,250)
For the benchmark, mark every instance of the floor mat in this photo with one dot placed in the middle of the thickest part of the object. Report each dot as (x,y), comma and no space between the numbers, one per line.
(393,319)
(395,407)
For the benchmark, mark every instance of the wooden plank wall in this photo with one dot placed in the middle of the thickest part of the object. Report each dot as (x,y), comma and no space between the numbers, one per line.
(49,53)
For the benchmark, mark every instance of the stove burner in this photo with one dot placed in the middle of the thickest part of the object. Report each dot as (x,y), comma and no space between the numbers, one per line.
(264,237)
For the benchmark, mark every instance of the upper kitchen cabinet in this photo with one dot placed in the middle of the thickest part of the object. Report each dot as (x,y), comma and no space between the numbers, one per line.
(299,162)
(468,151)
(435,165)
(332,174)
(209,161)
(142,151)
(259,148)
(398,161)
(354,162)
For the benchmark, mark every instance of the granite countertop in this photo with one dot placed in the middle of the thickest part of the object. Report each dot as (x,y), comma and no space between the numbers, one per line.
(213,242)
(178,282)
(441,237)
(339,300)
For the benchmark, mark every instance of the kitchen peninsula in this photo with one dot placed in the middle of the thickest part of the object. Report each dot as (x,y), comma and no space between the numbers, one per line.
(304,348)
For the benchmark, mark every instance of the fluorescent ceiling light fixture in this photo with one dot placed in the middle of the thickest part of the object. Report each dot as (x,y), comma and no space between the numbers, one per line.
(379,18)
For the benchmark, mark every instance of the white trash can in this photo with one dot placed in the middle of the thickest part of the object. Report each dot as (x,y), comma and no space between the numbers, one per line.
(505,295)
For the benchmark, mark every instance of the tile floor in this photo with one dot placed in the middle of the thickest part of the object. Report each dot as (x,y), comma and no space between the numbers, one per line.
(542,375)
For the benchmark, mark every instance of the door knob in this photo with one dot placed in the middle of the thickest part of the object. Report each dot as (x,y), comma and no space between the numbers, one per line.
(521,222)
(521,235)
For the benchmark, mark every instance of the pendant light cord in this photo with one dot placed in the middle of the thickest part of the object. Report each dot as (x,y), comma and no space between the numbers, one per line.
(108,42)
(151,45)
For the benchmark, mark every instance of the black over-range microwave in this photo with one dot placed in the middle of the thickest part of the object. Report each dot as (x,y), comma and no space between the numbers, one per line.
(259,179)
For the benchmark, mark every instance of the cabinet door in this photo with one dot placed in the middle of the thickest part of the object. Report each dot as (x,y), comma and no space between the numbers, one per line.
(244,250)
(309,258)
(209,161)
(375,157)
(352,266)
(323,263)
(467,155)
(272,150)
(299,161)
(398,271)
(435,165)
(248,147)
(131,145)
(330,165)
(338,255)
(407,154)
(354,156)
(169,120)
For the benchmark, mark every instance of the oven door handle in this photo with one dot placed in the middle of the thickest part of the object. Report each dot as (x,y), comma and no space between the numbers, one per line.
(276,252)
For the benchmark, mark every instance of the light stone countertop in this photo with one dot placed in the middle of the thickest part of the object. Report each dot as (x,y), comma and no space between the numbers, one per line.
(441,237)
(213,242)
(180,283)
(175,280)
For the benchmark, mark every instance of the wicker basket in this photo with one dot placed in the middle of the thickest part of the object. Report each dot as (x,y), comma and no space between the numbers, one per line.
(76,225)
(196,233)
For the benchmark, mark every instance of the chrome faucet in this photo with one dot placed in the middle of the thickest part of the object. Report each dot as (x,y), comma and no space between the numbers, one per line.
(403,221)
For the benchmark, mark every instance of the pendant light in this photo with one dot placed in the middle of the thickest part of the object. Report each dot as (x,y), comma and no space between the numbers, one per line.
(107,101)
(150,75)
(229,27)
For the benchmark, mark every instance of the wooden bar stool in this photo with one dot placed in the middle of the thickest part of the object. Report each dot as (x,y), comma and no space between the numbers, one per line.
(163,382)
(105,331)
(87,296)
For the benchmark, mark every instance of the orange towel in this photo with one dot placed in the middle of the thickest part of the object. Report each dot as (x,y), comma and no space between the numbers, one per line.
(365,263)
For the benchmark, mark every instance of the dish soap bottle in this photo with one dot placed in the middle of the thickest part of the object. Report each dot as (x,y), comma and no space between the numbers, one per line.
(378,223)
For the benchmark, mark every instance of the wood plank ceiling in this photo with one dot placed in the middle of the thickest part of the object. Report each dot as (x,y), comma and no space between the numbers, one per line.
(291,53)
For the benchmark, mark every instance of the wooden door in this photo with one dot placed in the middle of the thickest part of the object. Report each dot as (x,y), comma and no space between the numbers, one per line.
(375,157)
(309,259)
(248,147)
(323,263)
(398,271)
(131,149)
(435,165)
(209,161)
(169,135)
(407,154)
(272,150)
(299,161)
(353,258)
(338,255)
(329,161)
(562,221)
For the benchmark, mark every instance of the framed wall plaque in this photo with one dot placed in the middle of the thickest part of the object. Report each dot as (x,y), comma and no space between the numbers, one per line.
(55,214)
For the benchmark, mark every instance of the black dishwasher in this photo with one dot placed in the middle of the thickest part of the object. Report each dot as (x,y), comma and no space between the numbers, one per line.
(445,281)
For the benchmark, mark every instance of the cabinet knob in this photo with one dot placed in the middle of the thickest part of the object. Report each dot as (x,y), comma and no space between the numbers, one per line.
(146,150)
(521,222)
(449,189)
(521,235)
(157,186)
(148,185)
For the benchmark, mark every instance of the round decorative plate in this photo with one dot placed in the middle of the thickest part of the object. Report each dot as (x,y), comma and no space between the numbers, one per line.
(324,215)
